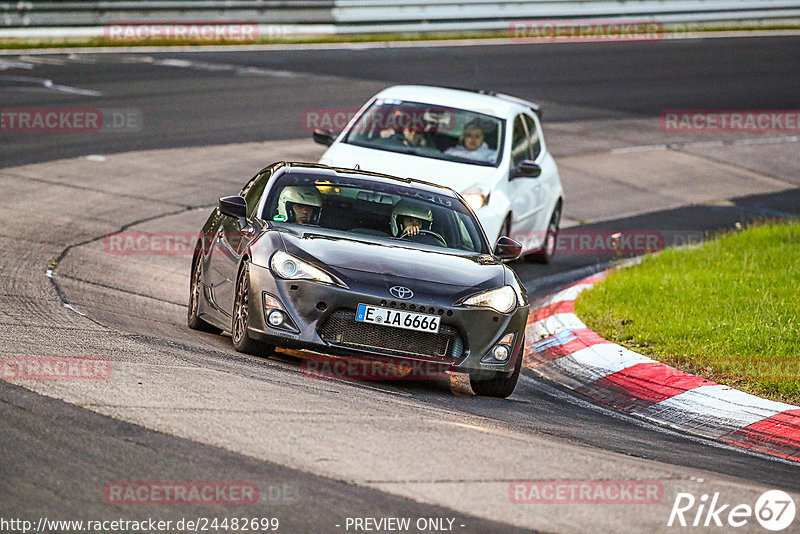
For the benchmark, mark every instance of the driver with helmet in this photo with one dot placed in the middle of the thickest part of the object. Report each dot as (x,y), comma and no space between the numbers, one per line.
(301,205)
(409,218)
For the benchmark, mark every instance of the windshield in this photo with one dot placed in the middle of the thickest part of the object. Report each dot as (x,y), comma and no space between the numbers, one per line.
(391,213)
(429,131)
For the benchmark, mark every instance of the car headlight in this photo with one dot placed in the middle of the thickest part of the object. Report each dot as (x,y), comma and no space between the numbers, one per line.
(503,299)
(476,198)
(287,266)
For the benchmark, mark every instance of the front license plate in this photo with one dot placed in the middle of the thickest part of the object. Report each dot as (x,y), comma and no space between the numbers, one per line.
(399,319)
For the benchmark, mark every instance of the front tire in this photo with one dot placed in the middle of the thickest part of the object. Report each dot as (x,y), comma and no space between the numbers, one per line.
(501,385)
(242,341)
(195,294)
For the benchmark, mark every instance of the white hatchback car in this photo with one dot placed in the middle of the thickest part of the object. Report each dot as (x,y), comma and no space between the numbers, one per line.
(487,146)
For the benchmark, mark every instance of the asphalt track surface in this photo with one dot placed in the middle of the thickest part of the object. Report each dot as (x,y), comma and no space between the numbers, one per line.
(234,97)
(51,449)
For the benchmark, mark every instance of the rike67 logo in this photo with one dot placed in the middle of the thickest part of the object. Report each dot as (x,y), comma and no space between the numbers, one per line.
(774,510)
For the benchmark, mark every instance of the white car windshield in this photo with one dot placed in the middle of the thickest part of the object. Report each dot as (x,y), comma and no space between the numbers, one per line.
(429,131)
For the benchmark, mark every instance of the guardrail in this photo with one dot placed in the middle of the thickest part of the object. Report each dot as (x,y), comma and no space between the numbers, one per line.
(87,18)
(99,13)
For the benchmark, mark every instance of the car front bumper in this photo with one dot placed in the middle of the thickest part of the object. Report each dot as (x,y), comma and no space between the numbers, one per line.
(321,317)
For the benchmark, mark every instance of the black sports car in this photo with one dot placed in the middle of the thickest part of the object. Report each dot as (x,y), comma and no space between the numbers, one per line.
(363,264)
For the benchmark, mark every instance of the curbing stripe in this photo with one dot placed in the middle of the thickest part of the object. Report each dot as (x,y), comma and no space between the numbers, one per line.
(553,325)
(642,385)
(563,349)
(572,292)
(593,363)
(568,294)
(713,411)
(564,300)
(779,434)
(564,306)
(562,344)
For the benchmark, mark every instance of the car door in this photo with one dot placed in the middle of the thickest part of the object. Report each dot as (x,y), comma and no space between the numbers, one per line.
(544,183)
(525,191)
(231,240)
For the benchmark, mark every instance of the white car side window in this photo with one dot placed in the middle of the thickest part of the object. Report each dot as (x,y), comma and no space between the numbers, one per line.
(533,134)
(520,142)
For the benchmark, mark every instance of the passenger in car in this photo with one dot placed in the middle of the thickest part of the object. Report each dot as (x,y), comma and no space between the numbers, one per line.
(472,145)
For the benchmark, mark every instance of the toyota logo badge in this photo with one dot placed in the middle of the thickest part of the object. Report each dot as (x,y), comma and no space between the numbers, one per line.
(400,292)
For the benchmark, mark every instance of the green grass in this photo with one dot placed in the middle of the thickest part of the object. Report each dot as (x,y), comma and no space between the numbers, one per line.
(728,309)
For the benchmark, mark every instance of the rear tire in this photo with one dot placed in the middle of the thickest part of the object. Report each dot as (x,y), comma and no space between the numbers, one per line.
(242,341)
(195,294)
(501,385)
(545,254)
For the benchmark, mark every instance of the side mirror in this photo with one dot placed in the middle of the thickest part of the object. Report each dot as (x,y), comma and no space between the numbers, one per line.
(526,169)
(324,137)
(234,206)
(507,249)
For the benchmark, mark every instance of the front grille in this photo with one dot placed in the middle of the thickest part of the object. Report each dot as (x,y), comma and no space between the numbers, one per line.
(341,328)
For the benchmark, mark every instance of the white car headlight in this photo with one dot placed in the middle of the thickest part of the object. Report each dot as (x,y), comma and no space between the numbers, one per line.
(476,198)
(503,299)
(287,266)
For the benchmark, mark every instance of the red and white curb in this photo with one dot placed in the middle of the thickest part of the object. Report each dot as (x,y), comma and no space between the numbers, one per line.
(561,348)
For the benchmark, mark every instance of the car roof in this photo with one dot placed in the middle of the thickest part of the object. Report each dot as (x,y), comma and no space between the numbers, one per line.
(488,102)
(325,170)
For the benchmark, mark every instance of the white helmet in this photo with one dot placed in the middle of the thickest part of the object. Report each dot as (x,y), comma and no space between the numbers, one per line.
(408,208)
(293,194)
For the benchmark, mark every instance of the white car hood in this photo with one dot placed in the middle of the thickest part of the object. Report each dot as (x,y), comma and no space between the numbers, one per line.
(458,176)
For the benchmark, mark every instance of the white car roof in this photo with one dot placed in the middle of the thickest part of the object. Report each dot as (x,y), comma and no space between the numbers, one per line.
(455,98)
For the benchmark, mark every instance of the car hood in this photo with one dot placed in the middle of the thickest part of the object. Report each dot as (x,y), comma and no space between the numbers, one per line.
(458,176)
(381,264)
